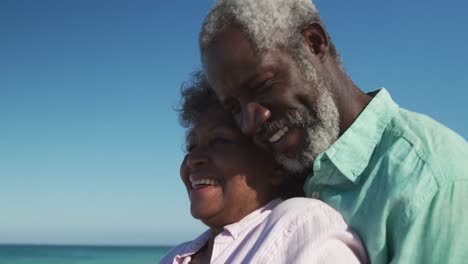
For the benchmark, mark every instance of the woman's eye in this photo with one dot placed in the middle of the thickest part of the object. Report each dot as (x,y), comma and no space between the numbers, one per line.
(233,107)
(189,148)
(236,109)
(219,140)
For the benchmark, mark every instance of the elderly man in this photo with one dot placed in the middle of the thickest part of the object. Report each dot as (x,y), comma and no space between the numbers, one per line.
(399,178)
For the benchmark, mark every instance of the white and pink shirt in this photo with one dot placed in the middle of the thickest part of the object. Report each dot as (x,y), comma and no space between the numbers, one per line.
(297,230)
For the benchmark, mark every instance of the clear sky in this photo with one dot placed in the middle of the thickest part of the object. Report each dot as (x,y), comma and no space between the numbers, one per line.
(90,146)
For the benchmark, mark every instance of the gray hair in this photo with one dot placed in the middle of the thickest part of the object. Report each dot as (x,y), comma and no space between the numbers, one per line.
(268,24)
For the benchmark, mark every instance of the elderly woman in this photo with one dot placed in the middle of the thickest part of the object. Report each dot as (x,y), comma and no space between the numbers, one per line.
(239,192)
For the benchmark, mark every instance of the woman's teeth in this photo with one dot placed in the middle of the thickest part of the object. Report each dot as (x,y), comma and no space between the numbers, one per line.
(203,182)
(278,134)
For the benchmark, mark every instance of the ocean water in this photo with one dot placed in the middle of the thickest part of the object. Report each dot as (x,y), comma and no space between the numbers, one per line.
(35,254)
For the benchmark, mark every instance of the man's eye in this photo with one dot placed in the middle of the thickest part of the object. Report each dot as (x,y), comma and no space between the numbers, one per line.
(264,87)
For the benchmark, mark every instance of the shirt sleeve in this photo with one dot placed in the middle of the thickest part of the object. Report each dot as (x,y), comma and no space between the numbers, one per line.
(439,232)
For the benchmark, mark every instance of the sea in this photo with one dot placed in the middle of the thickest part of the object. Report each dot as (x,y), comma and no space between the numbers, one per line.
(49,254)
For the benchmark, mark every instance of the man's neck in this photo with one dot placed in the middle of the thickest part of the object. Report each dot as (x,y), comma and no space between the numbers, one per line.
(350,99)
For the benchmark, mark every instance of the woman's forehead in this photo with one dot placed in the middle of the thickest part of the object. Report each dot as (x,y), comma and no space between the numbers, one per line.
(214,120)
(207,129)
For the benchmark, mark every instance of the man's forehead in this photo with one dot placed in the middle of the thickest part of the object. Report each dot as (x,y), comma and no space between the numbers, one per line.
(241,77)
(232,34)
(232,65)
(229,48)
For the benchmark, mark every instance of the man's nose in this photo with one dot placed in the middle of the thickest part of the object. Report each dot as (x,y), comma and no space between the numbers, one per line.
(254,116)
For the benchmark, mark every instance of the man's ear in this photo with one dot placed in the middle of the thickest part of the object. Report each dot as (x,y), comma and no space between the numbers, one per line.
(316,40)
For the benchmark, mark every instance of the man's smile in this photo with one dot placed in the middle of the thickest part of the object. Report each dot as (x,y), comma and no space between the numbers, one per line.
(278,135)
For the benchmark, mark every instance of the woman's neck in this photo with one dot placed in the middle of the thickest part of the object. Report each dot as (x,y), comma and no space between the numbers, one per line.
(204,254)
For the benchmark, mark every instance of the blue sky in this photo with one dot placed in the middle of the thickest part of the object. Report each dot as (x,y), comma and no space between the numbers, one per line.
(90,146)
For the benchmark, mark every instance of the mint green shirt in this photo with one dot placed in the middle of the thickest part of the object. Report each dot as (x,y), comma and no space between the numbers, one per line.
(400,180)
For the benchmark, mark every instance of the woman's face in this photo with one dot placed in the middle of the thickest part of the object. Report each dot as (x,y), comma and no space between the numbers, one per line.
(226,175)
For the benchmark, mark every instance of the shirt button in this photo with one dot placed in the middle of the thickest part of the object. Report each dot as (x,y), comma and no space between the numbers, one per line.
(315,195)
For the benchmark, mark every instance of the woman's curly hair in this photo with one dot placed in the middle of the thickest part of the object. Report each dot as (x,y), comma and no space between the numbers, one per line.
(196,98)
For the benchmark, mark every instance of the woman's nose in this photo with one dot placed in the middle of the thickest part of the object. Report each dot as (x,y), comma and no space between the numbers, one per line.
(196,157)
(192,160)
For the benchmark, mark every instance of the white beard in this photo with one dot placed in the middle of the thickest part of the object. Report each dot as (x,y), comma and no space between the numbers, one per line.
(321,133)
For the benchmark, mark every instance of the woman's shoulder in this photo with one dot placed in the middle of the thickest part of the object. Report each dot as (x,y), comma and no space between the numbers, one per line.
(177,250)
(298,203)
(305,229)
(301,210)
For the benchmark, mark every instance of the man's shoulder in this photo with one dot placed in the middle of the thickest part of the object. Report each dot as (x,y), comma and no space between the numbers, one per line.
(423,131)
(415,139)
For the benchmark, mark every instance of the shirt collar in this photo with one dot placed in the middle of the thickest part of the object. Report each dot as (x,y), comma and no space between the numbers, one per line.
(251,220)
(352,151)
(233,230)
(195,245)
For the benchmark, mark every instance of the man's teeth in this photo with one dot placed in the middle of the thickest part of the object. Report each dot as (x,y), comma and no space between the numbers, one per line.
(278,134)
(203,182)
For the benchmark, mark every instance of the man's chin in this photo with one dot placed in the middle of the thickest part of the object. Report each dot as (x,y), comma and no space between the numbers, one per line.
(296,164)
(291,143)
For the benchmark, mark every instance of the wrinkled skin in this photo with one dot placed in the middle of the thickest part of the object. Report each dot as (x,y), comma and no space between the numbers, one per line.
(272,100)
(246,176)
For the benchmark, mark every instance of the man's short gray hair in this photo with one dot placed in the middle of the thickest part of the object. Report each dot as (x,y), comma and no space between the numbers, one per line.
(268,24)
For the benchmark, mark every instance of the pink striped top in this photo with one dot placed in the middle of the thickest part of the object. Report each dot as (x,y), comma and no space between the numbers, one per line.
(298,230)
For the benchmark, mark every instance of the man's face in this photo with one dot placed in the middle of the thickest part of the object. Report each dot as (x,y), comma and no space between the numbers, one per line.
(272,100)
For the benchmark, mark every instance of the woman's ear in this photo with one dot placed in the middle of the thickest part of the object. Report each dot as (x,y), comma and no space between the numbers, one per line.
(278,176)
